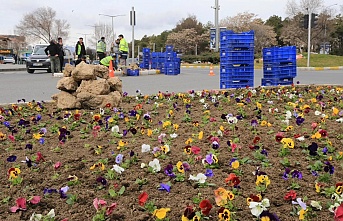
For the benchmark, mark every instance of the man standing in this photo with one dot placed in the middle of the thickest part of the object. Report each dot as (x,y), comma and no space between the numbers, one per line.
(54,51)
(123,50)
(61,55)
(101,48)
(80,49)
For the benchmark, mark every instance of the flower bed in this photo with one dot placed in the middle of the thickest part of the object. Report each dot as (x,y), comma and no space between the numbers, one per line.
(245,154)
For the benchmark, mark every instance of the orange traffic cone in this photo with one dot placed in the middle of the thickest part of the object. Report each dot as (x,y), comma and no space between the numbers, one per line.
(211,71)
(110,70)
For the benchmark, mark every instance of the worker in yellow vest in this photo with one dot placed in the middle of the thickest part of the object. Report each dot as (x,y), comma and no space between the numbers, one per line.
(123,50)
(80,49)
(106,61)
(101,48)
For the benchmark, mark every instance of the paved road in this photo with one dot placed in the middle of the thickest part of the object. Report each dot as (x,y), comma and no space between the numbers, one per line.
(41,85)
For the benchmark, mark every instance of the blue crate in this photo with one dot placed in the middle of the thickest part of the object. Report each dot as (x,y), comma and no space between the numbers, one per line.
(146,60)
(154,54)
(132,72)
(244,72)
(169,65)
(144,65)
(236,83)
(172,71)
(146,55)
(169,48)
(279,71)
(228,78)
(276,55)
(146,50)
(276,81)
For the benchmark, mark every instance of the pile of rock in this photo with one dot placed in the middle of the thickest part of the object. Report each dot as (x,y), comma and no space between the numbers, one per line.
(89,87)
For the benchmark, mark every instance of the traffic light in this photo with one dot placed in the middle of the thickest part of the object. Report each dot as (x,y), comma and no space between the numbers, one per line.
(305,19)
(314,20)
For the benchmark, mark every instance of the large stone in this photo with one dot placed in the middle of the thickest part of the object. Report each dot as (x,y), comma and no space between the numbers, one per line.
(113,99)
(101,71)
(65,100)
(91,101)
(68,68)
(83,71)
(96,87)
(115,84)
(67,84)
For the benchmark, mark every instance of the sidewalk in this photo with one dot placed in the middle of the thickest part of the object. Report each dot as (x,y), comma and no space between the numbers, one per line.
(12,67)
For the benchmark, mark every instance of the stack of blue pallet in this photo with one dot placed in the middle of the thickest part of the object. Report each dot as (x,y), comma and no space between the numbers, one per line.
(146,59)
(171,64)
(157,60)
(236,59)
(279,66)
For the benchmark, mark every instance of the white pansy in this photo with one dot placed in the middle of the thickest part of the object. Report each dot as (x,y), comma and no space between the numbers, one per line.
(214,100)
(145,148)
(220,133)
(202,100)
(270,102)
(101,111)
(118,169)
(51,213)
(285,121)
(340,120)
(333,207)
(315,204)
(115,129)
(253,91)
(323,115)
(174,135)
(302,138)
(231,120)
(155,165)
(36,217)
(317,113)
(256,208)
(265,203)
(288,115)
(200,177)
(143,165)
(206,106)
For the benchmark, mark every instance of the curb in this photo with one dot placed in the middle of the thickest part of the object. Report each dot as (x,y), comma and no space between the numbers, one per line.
(299,68)
(12,69)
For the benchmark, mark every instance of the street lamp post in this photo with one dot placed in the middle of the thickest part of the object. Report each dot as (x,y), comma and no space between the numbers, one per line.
(112,16)
(94,26)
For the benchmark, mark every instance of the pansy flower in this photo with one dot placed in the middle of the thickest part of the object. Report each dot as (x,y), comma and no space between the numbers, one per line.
(224,214)
(142,198)
(262,179)
(222,196)
(161,213)
(169,170)
(254,198)
(232,180)
(63,192)
(296,174)
(164,186)
(291,195)
(11,158)
(267,216)
(329,168)
(188,214)
(313,148)
(119,158)
(215,145)
(209,173)
(339,188)
(256,140)
(20,205)
(2,136)
(234,163)
(13,173)
(287,143)
(102,180)
(279,136)
(165,148)
(99,165)
(205,206)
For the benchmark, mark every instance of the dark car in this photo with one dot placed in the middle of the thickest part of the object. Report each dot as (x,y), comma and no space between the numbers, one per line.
(40,61)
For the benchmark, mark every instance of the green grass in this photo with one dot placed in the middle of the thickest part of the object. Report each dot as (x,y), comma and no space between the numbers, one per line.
(321,60)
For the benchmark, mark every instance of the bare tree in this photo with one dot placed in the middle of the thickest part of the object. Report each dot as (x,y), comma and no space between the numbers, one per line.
(102,30)
(265,36)
(184,40)
(304,7)
(41,24)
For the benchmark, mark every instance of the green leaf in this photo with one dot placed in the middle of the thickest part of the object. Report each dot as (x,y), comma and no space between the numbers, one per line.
(121,191)
(112,193)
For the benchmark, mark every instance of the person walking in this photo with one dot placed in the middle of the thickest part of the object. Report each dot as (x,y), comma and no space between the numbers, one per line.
(101,48)
(123,50)
(80,49)
(106,61)
(61,55)
(54,51)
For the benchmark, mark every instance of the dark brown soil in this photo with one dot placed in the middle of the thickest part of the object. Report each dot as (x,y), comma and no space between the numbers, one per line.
(79,153)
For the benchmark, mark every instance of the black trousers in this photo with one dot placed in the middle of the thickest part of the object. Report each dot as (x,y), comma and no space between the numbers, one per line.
(101,55)
(61,63)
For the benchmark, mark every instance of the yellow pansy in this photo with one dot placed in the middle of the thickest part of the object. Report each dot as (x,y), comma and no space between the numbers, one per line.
(317,135)
(149,132)
(207,112)
(240,104)
(317,186)
(138,116)
(235,164)
(37,136)
(13,173)
(126,119)
(166,124)
(269,124)
(165,148)
(201,135)
(313,100)
(221,128)
(302,213)
(176,126)
(2,136)
(335,111)
(287,142)
(289,128)
(264,123)
(179,167)
(171,112)
(100,165)
(262,179)
(225,215)
(189,141)
(259,105)
(265,218)
(161,213)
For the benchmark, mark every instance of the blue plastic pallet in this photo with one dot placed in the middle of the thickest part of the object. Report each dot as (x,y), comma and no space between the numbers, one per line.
(279,71)
(169,48)
(171,71)
(286,54)
(276,81)
(132,72)
(236,84)
(146,50)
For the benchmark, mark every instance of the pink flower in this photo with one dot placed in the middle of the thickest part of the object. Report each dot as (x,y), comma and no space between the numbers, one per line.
(195,150)
(11,137)
(339,213)
(314,125)
(21,205)
(98,202)
(212,139)
(110,209)
(57,165)
(233,147)
(35,200)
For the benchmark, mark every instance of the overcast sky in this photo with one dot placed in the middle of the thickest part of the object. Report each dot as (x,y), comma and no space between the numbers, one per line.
(153,16)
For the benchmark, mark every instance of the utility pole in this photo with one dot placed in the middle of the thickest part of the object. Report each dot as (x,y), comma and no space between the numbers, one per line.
(95,26)
(133,23)
(216,23)
(112,16)
(309,37)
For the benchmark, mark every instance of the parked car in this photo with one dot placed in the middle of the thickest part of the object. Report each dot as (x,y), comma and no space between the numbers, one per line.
(40,61)
(9,60)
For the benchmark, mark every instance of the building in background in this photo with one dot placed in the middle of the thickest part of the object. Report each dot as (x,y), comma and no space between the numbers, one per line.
(14,46)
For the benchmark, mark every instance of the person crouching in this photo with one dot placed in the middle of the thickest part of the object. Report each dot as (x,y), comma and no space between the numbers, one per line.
(106,61)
